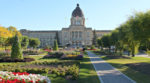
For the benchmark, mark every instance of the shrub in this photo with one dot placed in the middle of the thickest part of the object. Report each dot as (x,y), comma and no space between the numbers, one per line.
(54,55)
(16,51)
(148,52)
(72,57)
(4,54)
(92,47)
(32,52)
(8,59)
(55,45)
(60,68)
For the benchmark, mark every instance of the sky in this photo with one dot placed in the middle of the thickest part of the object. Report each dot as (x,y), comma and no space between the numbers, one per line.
(56,14)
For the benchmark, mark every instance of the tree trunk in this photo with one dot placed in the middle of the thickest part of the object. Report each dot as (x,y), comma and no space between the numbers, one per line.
(133,50)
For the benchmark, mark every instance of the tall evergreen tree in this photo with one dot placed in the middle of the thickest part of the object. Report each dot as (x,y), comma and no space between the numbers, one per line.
(16,51)
(55,45)
(94,38)
(57,38)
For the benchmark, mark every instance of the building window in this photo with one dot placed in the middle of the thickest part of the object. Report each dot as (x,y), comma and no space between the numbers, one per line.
(78,22)
(80,34)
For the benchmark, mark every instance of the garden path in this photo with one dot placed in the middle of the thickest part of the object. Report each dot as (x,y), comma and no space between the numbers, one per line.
(106,72)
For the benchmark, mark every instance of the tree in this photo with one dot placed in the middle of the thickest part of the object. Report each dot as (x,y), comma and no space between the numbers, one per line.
(114,40)
(4,32)
(106,41)
(2,41)
(16,51)
(55,45)
(100,44)
(14,31)
(24,42)
(34,42)
(94,38)
(57,38)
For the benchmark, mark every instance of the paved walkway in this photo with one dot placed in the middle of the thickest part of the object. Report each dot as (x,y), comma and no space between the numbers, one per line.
(106,72)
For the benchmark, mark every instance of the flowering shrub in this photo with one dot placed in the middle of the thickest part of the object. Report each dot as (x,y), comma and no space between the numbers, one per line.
(17,77)
(47,50)
(92,49)
(74,57)
(32,52)
(54,55)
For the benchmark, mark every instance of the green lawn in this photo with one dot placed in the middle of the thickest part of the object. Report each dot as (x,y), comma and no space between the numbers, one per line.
(87,72)
(120,64)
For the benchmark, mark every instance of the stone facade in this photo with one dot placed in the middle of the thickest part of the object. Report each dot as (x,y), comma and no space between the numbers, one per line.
(74,35)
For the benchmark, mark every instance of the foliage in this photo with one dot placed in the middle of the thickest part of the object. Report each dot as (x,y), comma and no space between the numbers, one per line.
(34,42)
(65,55)
(94,41)
(4,32)
(54,55)
(72,57)
(16,51)
(55,45)
(32,52)
(24,42)
(129,35)
(14,31)
(62,69)
(92,47)
(47,47)
(6,36)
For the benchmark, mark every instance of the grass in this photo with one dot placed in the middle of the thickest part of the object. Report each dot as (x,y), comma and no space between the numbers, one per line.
(87,72)
(120,64)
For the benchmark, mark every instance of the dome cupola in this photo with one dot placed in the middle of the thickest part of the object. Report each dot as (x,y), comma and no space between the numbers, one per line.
(77,12)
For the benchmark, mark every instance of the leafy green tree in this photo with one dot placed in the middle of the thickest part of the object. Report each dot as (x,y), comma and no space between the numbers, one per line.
(55,45)
(100,44)
(24,42)
(13,31)
(106,41)
(34,42)
(114,40)
(16,51)
(2,41)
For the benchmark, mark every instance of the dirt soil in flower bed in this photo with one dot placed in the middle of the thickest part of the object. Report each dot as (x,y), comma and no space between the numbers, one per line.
(8,59)
(141,67)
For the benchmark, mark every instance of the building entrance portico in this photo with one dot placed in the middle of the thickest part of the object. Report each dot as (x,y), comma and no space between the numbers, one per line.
(77,33)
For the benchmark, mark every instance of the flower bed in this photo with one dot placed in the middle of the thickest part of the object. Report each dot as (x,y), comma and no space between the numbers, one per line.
(32,52)
(54,55)
(8,59)
(17,77)
(64,55)
(47,50)
(72,57)
(92,49)
(58,68)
